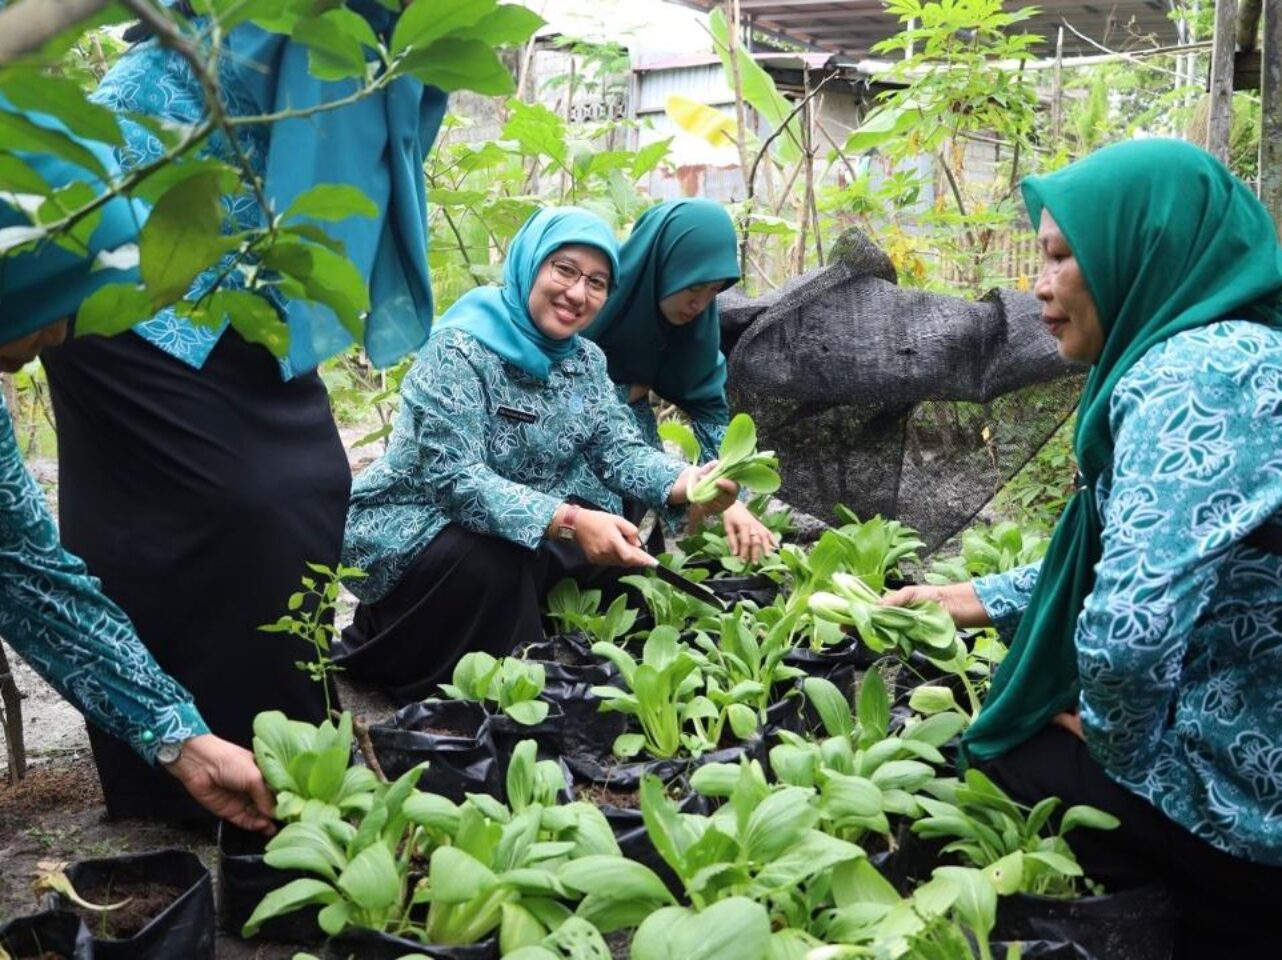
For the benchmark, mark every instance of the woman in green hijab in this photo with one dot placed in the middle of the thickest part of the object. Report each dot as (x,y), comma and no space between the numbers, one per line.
(660,332)
(1145,668)
(471,514)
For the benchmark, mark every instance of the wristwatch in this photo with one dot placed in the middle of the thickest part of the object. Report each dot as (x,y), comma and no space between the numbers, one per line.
(566,529)
(169,751)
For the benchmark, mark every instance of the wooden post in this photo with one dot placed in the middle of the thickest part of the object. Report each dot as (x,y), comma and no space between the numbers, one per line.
(11,722)
(1057,93)
(1248,23)
(1221,112)
(1271,111)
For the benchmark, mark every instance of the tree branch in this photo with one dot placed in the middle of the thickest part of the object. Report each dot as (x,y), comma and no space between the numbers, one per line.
(801,105)
(28,25)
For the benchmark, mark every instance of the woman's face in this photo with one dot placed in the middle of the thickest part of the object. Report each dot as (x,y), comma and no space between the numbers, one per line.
(16,354)
(1068,309)
(684,305)
(570,288)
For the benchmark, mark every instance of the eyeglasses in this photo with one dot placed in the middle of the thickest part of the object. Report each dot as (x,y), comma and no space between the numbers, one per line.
(566,274)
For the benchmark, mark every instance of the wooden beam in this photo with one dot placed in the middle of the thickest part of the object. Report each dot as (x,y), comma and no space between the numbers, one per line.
(1271,112)
(1220,118)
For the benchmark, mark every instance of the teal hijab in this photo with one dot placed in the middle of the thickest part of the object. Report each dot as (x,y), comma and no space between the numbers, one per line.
(500,318)
(675,245)
(46,284)
(377,145)
(1167,240)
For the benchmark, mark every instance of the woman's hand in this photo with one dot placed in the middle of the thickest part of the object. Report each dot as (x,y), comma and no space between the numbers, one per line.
(223,778)
(959,599)
(747,537)
(1072,722)
(727,490)
(610,541)
(637,392)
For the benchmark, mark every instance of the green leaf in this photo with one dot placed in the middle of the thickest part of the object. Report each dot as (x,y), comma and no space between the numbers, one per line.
(457,876)
(507,25)
(527,712)
(113,309)
(17,177)
(181,237)
(758,89)
(252,317)
(1084,816)
(740,439)
(19,133)
(649,157)
(331,201)
(292,896)
(678,433)
(461,65)
(873,706)
(423,23)
(43,92)
(537,130)
(334,52)
(831,705)
(614,878)
(371,880)
(732,929)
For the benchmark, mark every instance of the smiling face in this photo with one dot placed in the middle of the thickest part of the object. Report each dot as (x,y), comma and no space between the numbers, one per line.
(1068,309)
(559,309)
(683,306)
(16,354)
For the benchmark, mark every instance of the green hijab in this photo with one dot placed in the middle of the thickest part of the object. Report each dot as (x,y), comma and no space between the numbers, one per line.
(500,318)
(675,245)
(1167,239)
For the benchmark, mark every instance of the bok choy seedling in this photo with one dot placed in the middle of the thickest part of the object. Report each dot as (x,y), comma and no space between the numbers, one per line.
(739,461)
(510,682)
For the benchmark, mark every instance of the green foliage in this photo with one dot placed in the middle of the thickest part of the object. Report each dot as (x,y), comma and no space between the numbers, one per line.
(739,461)
(577,609)
(514,685)
(988,550)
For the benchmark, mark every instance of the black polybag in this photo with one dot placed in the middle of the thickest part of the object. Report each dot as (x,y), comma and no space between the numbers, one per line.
(244,878)
(184,929)
(1134,924)
(359,944)
(458,765)
(58,931)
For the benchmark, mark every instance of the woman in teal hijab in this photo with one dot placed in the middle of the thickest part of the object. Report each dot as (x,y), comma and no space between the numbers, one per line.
(660,332)
(52,612)
(1145,668)
(471,514)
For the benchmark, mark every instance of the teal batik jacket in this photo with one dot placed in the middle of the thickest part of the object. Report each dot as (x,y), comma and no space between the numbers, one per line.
(1179,645)
(482,444)
(55,616)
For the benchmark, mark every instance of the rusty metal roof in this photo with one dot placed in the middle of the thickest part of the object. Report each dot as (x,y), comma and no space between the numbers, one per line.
(851,27)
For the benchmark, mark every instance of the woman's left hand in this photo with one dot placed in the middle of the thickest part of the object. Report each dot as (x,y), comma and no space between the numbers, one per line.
(727,490)
(1072,722)
(747,537)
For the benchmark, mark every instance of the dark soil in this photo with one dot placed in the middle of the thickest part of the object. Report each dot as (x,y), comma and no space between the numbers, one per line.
(449,732)
(47,955)
(603,796)
(143,902)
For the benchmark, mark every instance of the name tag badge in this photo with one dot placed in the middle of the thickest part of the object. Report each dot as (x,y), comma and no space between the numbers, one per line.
(513,413)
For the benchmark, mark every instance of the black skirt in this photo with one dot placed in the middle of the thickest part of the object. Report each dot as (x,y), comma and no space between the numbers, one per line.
(197,497)
(465,592)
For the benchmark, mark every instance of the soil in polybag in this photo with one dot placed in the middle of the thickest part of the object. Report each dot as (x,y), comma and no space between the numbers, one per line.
(373,945)
(51,935)
(170,912)
(1135,924)
(848,656)
(245,878)
(625,775)
(563,649)
(451,735)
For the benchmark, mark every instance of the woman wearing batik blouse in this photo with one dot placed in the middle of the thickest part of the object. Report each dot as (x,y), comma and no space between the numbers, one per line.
(660,332)
(1145,669)
(466,520)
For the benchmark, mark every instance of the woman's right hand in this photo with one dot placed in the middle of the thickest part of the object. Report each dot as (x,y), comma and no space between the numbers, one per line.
(959,599)
(610,541)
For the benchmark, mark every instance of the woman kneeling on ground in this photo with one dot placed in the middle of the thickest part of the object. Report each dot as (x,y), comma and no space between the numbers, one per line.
(465,522)
(1145,672)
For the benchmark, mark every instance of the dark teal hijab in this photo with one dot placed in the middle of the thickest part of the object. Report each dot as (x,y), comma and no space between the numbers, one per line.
(1167,240)
(500,318)
(46,284)
(679,244)
(377,145)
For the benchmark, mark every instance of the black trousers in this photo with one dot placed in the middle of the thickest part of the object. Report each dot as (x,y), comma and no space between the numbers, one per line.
(465,592)
(198,496)
(1225,905)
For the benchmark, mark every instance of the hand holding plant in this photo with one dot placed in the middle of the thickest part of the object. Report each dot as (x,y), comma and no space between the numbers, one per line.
(739,462)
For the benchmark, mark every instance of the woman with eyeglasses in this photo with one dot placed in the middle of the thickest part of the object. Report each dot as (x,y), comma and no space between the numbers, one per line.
(467,519)
(660,333)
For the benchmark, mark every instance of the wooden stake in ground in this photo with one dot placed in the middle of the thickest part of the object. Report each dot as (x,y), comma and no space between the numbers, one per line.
(11,721)
(1221,115)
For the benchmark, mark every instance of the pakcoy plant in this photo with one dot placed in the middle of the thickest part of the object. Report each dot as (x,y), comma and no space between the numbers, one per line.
(739,460)
(875,548)
(307,767)
(988,829)
(512,684)
(988,550)
(574,608)
(747,657)
(864,774)
(668,606)
(662,692)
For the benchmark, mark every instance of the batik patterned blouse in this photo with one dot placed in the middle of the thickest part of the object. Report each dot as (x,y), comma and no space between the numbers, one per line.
(55,616)
(480,443)
(1179,645)
(157,82)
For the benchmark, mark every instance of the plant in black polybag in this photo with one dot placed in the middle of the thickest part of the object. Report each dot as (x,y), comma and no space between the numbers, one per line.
(451,736)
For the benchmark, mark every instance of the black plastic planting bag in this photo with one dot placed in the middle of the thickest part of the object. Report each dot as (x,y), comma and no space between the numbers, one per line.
(629,826)
(184,928)
(41,935)
(586,732)
(1041,950)
(451,735)
(1136,924)
(834,367)
(757,588)
(616,774)
(565,649)
(372,945)
(245,878)
(506,733)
